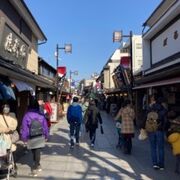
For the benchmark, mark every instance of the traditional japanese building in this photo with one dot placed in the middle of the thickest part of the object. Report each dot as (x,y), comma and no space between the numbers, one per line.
(20,36)
(161,58)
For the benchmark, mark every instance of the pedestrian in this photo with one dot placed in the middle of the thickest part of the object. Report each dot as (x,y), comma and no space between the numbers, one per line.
(34,132)
(92,118)
(173,136)
(8,124)
(156,130)
(48,113)
(118,128)
(84,105)
(74,118)
(46,109)
(127,115)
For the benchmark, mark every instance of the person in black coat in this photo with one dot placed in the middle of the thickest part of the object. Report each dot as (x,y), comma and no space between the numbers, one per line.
(92,119)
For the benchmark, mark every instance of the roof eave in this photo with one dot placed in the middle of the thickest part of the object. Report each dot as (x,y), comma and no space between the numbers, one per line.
(24,11)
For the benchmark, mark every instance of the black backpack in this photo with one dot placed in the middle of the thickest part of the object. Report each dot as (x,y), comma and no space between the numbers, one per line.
(36,128)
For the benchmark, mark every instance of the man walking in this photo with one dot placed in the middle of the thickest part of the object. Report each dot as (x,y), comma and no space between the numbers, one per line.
(156,135)
(74,118)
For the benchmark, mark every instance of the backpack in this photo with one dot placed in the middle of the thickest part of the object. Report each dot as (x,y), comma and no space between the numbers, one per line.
(152,121)
(36,128)
(74,113)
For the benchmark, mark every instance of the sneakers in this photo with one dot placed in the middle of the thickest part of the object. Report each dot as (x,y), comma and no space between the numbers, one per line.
(155,167)
(77,144)
(92,145)
(34,173)
(72,146)
(72,142)
(39,168)
(158,168)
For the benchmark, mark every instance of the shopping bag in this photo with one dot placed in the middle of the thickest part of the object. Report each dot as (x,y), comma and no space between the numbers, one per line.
(102,130)
(3,145)
(143,135)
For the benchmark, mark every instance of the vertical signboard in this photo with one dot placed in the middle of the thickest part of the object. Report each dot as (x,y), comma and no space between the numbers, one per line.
(54,112)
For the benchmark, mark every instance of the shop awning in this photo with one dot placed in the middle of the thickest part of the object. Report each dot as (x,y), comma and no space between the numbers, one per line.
(23,86)
(159,83)
(11,70)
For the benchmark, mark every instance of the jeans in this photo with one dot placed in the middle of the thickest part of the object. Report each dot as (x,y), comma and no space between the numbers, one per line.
(74,131)
(177,163)
(157,148)
(36,157)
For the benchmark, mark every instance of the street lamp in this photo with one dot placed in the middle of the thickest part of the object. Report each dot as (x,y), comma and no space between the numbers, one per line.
(117,37)
(67,49)
(70,78)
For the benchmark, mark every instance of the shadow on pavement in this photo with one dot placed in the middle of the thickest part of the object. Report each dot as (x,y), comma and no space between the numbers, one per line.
(103,161)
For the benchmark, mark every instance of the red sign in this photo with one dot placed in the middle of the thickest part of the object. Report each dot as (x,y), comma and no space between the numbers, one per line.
(61,71)
(125,62)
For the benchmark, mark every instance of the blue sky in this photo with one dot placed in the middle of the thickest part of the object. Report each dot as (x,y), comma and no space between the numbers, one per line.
(88,25)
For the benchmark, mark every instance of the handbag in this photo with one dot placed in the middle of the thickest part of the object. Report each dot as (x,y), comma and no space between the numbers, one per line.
(102,130)
(14,135)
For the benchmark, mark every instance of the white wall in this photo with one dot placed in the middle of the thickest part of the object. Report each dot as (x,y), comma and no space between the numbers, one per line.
(160,52)
(137,53)
(106,79)
(146,54)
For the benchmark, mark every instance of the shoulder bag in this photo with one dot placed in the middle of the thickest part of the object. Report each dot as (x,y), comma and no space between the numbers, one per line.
(14,135)
(101,129)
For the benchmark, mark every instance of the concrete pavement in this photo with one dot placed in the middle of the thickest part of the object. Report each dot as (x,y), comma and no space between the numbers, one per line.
(102,162)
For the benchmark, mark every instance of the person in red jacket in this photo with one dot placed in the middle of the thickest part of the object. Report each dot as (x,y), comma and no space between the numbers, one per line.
(48,112)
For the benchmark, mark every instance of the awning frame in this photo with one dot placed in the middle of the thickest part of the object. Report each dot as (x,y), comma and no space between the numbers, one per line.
(165,82)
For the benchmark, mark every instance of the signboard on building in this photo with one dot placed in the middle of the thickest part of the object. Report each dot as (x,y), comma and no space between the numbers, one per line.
(13,47)
(61,71)
(54,112)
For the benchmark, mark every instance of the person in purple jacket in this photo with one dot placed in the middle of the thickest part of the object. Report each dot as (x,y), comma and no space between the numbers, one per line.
(36,141)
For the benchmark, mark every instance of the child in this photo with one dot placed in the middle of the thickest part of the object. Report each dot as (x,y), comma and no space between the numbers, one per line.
(118,127)
(174,139)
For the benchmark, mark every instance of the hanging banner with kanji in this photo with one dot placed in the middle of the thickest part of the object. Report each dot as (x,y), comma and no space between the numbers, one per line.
(61,71)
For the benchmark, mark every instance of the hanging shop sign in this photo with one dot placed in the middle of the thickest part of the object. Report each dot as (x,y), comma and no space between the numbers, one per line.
(61,71)
(13,47)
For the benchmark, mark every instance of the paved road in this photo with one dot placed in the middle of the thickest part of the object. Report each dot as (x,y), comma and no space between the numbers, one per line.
(103,162)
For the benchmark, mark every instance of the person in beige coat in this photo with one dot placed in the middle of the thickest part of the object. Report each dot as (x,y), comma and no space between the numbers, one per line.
(8,123)
(127,115)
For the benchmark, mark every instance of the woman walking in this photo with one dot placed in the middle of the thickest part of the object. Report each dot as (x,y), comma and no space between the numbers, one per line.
(92,118)
(34,132)
(127,115)
(8,124)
